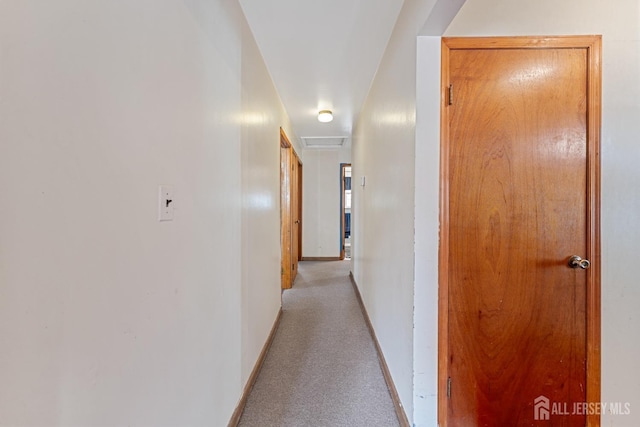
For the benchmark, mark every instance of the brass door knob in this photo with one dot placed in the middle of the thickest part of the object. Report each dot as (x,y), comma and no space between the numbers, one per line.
(576,262)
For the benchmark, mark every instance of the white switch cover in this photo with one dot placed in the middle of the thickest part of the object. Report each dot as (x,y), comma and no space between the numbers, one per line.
(165,203)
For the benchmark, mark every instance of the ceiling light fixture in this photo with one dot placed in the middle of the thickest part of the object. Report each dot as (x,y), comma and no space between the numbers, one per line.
(325,116)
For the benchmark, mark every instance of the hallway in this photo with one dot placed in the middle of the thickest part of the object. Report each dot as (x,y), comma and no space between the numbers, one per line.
(322,368)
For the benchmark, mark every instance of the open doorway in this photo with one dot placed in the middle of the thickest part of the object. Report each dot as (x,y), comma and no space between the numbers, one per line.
(345,211)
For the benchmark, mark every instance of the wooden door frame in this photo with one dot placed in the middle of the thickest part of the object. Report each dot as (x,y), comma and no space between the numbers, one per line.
(593,352)
(296,206)
(285,210)
(287,156)
(299,207)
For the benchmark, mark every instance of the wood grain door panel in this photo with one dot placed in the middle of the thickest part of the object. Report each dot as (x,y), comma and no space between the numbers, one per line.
(285,210)
(295,215)
(518,208)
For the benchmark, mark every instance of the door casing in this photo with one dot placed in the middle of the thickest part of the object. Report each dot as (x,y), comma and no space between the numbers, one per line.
(290,211)
(296,213)
(593,46)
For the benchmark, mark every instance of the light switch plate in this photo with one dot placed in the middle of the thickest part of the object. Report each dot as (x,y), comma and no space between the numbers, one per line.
(165,203)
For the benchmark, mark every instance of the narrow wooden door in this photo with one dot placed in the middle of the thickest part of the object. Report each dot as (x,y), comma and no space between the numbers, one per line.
(285,210)
(295,214)
(299,209)
(520,205)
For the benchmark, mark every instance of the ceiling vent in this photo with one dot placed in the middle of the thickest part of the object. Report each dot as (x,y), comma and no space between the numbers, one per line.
(324,141)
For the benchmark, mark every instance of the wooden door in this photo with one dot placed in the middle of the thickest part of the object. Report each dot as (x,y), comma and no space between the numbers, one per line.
(521,197)
(295,214)
(285,210)
(290,210)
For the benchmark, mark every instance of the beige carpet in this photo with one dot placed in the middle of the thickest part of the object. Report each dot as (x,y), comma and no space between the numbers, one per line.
(322,368)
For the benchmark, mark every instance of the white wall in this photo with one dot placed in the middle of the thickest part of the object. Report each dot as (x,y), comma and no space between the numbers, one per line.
(619,25)
(321,201)
(383,210)
(108,317)
(427,221)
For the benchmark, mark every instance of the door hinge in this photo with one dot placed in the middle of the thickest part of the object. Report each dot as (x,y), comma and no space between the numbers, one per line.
(293,266)
(449,387)
(451,94)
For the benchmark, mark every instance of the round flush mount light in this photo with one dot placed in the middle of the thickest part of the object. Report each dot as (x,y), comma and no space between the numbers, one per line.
(325,116)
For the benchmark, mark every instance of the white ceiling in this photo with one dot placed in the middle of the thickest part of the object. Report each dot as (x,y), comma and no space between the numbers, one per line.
(322,55)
